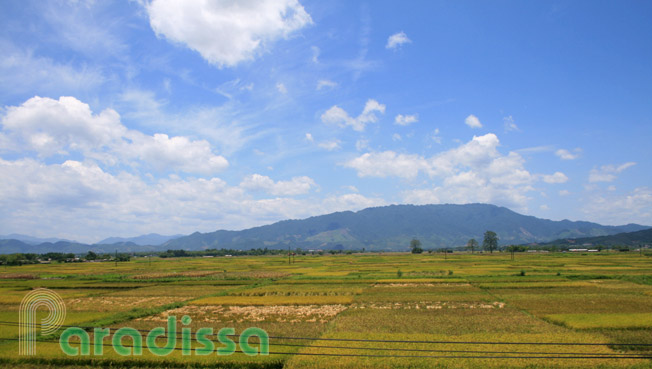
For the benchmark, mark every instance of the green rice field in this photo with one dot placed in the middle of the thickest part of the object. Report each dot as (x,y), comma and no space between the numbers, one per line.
(555,310)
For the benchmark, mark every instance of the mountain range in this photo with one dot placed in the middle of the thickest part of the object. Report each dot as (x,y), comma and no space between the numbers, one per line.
(634,239)
(152,239)
(387,228)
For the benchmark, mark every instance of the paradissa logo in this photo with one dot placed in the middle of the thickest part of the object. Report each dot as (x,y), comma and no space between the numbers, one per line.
(154,340)
(207,346)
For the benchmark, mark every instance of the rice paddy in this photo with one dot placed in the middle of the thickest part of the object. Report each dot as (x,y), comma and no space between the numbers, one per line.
(357,311)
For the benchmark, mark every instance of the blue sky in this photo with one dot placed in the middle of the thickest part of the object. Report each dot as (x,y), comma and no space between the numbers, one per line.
(131,117)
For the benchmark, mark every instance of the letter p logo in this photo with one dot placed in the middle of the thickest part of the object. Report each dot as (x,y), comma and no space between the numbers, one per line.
(27,317)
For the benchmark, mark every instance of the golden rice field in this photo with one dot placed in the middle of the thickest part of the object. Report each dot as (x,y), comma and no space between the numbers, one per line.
(354,311)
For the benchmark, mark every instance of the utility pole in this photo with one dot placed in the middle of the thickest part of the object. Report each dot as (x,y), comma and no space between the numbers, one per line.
(289,256)
(512,254)
(116,258)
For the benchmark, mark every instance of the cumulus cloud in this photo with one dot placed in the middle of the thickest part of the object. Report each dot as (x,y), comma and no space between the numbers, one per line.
(337,115)
(473,121)
(388,164)
(295,186)
(404,120)
(177,153)
(567,155)
(607,173)
(472,172)
(49,127)
(226,33)
(557,177)
(50,199)
(309,137)
(396,40)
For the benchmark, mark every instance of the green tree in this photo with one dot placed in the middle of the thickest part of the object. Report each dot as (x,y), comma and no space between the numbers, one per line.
(490,242)
(472,244)
(415,245)
(91,256)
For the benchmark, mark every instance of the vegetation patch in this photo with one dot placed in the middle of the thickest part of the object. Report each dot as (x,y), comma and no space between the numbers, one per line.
(610,320)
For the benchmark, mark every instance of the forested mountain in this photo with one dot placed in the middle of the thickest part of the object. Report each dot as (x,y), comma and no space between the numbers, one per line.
(392,228)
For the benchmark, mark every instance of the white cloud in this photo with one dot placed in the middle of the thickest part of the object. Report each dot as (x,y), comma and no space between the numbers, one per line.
(388,163)
(567,155)
(174,153)
(315,54)
(404,120)
(226,33)
(473,172)
(607,173)
(324,83)
(330,145)
(435,136)
(309,137)
(295,186)
(557,177)
(49,200)
(396,137)
(281,88)
(50,127)
(473,121)
(361,144)
(632,207)
(510,126)
(396,40)
(337,115)
(564,193)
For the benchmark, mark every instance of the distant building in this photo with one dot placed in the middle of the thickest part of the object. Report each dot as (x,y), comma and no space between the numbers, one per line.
(578,250)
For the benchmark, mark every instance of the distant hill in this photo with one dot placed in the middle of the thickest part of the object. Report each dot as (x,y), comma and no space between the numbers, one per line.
(390,228)
(387,228)
(29,239)
(152,239)
(635,239)
(16,246)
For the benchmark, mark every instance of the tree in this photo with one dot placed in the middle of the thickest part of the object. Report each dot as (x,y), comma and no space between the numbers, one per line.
(91,256)
(415,245)
(472,244)
(490,242)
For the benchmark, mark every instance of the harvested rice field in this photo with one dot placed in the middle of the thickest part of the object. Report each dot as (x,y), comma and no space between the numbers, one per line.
(350,311)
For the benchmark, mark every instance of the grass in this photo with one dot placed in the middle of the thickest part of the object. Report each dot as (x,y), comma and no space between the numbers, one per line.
(609,320)
(600,298)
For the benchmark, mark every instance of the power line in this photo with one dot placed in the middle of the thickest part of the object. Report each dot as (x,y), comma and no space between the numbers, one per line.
(392,341)
(563,356)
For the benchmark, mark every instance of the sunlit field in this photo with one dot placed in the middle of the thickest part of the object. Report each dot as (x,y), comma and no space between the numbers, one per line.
(357,311)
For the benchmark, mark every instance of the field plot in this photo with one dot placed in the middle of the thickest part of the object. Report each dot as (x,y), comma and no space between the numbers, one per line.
(356,311)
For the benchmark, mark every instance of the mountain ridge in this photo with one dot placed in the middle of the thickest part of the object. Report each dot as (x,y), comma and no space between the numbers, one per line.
(385,228)
(390,228)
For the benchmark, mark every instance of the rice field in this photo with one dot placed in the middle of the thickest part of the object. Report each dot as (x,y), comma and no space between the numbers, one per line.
(353,311)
